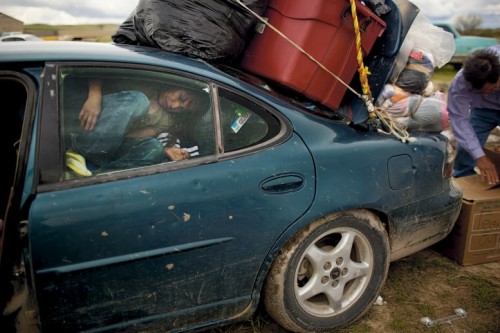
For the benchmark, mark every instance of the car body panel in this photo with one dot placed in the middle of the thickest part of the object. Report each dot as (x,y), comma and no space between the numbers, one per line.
(171,240)
(188,245)
(397,173)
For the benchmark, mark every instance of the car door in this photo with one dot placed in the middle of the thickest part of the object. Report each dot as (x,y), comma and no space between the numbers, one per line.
(174,242)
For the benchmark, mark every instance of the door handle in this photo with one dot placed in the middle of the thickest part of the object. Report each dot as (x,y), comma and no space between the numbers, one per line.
(282,183)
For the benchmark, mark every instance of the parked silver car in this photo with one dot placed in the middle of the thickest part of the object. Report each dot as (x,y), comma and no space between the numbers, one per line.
(19,38)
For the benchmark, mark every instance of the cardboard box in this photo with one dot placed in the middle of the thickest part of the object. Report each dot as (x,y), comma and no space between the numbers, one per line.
(475,238)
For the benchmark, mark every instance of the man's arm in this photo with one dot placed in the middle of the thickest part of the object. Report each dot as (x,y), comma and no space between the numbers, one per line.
(458,104)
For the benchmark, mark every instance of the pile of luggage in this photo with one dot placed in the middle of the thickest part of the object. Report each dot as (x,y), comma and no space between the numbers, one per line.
(411,97)
(312,33)
(212,30)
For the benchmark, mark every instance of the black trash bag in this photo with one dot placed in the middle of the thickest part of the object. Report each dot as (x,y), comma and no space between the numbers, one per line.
(207,29)
(125,34)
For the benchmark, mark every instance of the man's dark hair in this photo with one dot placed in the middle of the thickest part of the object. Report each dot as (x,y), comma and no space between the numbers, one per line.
(480,67)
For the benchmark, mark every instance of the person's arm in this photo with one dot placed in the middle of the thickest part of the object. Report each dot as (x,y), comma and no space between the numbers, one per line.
(458,104)
(91,108)
(172,153)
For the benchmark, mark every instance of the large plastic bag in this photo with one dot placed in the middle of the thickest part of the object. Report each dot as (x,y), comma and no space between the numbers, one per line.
(432,40)
(207,29)
(421,113)
(436,43)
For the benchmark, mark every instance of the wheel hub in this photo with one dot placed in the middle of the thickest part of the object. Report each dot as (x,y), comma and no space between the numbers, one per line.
(335,273)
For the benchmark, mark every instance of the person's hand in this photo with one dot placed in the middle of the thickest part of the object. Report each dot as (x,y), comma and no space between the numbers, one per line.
(89,114)
(488,170)
(176,154)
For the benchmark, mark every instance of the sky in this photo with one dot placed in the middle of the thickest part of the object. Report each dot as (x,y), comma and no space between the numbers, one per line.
(116,11)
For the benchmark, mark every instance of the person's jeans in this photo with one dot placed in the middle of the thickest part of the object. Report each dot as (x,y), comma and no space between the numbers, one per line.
(104,143)
(483,121)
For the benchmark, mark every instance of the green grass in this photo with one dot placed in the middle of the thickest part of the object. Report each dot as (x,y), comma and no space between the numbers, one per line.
(357,328)
(444,74)
(484,293)
(399,324)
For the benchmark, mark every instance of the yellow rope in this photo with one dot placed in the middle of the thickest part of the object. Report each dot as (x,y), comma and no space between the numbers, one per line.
(395,128)
(363,71)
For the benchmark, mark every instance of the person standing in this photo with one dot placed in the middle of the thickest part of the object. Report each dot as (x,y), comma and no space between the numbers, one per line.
(474,111)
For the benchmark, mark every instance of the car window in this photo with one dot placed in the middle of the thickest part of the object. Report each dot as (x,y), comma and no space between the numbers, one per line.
(115,119)
(445,28)
(243,122)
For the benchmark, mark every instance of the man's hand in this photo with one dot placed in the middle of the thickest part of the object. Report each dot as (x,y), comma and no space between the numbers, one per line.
(91,109)
(488,170)
(176,154)
(90,113)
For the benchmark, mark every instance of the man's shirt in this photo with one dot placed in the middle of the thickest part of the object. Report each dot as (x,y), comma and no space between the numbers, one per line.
(461,99)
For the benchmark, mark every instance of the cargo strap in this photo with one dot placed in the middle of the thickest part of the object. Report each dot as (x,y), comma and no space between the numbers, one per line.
(377,115)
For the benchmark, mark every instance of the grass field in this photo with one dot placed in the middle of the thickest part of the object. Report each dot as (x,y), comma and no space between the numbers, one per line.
(90,32)
(444,74)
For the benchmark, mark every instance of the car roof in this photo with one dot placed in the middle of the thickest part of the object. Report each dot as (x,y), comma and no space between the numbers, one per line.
(78,51)
(75,51)
(38,52)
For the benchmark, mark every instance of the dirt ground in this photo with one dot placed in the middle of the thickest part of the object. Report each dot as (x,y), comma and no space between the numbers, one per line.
(426,284)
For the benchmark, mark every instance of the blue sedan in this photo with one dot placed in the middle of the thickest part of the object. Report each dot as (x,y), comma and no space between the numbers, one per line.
(274,201)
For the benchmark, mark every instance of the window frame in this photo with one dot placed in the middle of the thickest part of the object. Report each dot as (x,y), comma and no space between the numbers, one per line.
(50,132)
(262,109)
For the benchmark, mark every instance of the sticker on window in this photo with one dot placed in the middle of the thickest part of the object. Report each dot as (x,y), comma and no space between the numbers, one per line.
(242,116)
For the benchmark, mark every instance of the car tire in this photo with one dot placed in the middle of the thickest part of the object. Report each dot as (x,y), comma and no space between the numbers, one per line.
(328,274)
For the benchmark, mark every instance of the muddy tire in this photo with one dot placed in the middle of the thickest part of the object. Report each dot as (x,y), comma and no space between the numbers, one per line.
(329,274)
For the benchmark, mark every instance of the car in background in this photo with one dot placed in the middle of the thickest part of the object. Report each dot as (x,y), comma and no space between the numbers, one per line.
(465,45)
(19,38)
(285,204)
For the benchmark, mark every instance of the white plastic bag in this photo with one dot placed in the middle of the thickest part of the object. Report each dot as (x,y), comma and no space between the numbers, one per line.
(437,44)
(431,40)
